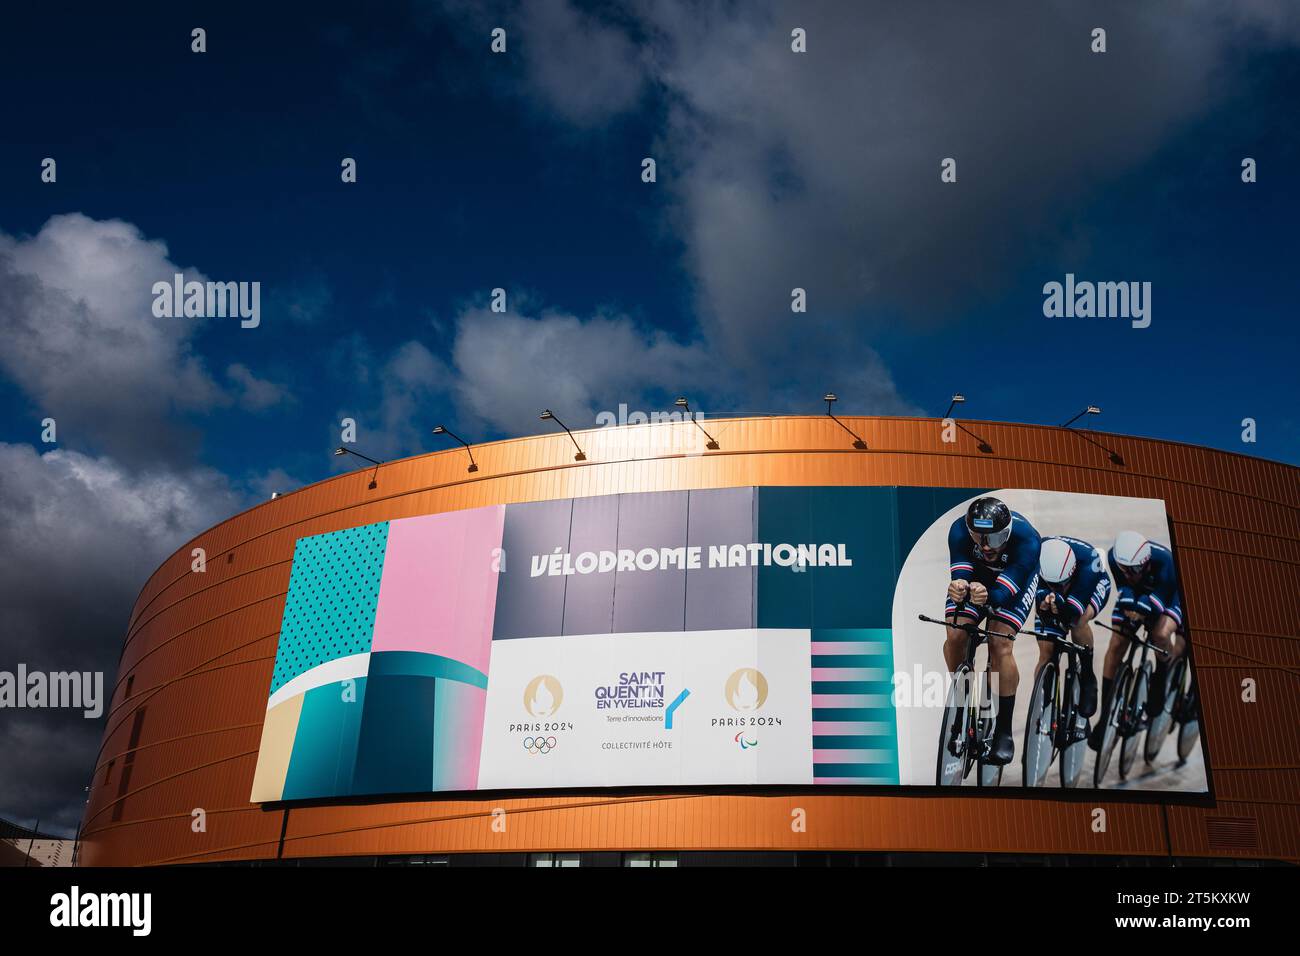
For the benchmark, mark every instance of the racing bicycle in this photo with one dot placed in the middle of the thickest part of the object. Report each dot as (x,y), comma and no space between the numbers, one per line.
(1126,716)
(966,734)
(1054,726)
(1179,707)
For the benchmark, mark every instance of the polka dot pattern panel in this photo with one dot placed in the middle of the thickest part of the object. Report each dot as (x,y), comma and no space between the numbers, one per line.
(333,592)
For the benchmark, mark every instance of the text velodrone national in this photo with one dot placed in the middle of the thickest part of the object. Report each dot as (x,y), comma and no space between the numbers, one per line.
(714,637)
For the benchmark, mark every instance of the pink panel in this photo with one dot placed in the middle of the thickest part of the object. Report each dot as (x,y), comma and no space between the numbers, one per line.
(439,589)
(837,648)
(842,756)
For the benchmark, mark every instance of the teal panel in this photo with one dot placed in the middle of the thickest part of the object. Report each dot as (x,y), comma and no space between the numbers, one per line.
(863,702)
(784,595)
(329,611)
(325,745)
(864,772)
(853,742)
(918,508)
(421,664)
(864,519)
(395,751)
(861,595)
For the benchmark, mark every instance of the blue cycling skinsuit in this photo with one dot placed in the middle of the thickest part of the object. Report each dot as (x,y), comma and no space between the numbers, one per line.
(1011,579)
(1155,593)
(1089,587)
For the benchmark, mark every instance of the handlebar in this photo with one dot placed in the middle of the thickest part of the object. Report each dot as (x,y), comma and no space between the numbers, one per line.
(1060,640)
(972,629)
(1133,636)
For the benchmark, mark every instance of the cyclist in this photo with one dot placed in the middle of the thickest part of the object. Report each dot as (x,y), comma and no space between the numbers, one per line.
(1073,588)
(993,555)
(1148,594)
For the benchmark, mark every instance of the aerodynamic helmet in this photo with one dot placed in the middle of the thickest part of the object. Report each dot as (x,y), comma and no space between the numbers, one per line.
(1056,561)
(988,522)
(1132,550)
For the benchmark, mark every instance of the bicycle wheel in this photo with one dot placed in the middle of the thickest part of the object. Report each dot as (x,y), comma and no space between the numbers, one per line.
(1074,731)
(1187,734)
(1163,721)
(1190,728)
(1040,727)
(1128,749)
(990,774)
(954,732)
(1111,733)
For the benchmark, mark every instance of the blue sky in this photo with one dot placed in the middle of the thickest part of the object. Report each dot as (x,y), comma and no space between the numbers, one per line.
(522,170)
(468,180)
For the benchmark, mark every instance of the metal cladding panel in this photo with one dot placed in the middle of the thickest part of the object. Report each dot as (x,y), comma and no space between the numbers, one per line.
(200,648)
(722,821)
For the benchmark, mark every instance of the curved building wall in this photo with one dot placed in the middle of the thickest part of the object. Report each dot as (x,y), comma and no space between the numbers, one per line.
(186,713)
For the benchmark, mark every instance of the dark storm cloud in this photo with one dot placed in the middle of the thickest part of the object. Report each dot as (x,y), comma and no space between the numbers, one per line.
(85,520)
(48,756)
(78,537)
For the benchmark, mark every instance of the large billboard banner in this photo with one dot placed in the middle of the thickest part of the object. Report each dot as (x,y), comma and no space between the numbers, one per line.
(731,637)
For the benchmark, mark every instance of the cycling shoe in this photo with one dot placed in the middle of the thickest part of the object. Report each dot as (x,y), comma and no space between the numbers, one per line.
(1094,738)
(1088,697)
(1003,748)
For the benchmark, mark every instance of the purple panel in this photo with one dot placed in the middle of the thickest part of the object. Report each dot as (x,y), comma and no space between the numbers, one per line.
(531,606)
(589,598)
(718,598)
(651,600)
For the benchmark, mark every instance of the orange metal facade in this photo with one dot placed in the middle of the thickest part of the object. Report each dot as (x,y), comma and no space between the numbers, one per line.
(185,719)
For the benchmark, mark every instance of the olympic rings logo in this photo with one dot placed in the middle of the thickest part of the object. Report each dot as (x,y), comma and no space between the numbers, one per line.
(539,745)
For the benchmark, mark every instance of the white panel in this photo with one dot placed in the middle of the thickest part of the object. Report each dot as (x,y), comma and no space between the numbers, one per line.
(611,729)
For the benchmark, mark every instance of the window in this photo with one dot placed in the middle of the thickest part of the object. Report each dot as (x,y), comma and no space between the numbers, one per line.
(649,859)
(553,859)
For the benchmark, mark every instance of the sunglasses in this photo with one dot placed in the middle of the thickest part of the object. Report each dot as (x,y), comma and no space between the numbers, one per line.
(993,539)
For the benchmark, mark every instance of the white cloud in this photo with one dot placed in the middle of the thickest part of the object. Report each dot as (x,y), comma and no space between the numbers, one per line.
(80,339)
(505,368)
(588,71)
(274,481)
(509,367)
(253,393)
(410,381)
(411,377)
